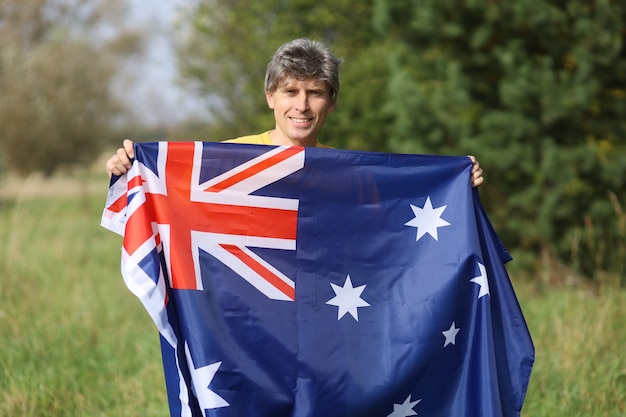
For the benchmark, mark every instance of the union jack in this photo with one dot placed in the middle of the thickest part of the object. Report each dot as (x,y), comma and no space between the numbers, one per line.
(220,216)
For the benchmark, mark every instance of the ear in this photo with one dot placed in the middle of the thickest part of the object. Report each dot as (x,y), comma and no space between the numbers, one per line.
(332,106)
(269,97)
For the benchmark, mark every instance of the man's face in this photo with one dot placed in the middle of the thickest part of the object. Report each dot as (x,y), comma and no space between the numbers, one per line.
(300,109)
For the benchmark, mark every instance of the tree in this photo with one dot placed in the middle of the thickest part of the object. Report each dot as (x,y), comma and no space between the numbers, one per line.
(537,89)
(56,104)
(225,46)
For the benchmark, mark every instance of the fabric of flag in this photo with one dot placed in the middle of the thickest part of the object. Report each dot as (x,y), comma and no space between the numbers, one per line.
(306,282)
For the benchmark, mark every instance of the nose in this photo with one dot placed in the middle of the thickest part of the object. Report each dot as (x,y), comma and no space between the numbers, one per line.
(302,102)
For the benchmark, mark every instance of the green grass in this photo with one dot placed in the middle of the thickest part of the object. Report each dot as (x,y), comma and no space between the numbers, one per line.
(76,342)
(580,343)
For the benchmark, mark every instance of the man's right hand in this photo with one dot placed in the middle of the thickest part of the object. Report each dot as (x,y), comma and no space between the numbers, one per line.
(121,161)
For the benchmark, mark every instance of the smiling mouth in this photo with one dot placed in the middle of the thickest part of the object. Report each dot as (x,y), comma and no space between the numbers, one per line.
(300,120)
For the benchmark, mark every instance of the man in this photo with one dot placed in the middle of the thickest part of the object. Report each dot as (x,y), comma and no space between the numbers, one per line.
(301,87)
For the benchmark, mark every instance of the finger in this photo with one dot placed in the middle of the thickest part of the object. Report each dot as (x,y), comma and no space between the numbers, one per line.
(128,147)
(475,164)
(114,166)
(477,177)
(123,159)
(477,181)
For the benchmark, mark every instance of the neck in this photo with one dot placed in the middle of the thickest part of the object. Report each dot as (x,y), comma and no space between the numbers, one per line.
(282,140)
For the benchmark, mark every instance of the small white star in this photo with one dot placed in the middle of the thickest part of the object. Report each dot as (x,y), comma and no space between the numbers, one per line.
(427,220)
(405,409)
(348,299)
(482,281)
(202,378)
(450,335)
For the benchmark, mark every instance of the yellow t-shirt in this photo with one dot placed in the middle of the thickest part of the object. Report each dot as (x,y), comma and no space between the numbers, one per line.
(262,139)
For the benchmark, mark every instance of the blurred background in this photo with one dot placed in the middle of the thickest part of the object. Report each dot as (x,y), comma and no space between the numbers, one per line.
(535,89)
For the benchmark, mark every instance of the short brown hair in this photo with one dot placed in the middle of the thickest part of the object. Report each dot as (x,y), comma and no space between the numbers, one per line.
(303,59)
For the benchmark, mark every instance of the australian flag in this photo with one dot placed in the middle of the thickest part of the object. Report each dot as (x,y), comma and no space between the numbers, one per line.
(306,282)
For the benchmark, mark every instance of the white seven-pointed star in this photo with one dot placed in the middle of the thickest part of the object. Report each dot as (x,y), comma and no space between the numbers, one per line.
(427,220)
(202,378)
(405,409)
(482,281)
(348,299)
(450,335)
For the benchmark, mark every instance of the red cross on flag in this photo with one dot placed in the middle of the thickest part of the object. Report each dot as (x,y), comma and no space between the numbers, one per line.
(220,216)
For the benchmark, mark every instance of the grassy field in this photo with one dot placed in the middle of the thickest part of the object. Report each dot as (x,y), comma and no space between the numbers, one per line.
(75,342)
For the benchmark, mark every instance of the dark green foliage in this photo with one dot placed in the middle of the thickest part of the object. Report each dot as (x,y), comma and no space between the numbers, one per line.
(230,42)
(538,91)
(535,89)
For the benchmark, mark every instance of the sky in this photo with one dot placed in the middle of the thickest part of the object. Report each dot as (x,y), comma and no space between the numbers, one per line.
(150,83)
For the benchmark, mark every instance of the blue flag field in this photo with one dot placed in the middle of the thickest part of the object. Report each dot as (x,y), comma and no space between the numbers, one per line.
(307,282)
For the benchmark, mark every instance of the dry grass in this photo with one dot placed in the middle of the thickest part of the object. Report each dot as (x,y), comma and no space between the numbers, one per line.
(67,183)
